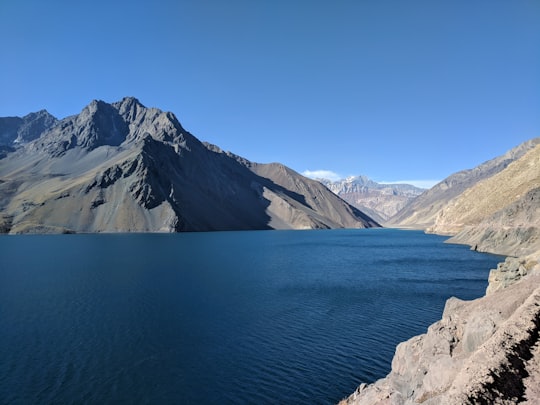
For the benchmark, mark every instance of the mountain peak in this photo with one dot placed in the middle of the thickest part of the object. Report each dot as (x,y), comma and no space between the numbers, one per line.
(128,103)
(17,130)
(38,114)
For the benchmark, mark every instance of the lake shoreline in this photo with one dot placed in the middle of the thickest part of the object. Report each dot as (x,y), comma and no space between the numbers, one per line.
(481,350)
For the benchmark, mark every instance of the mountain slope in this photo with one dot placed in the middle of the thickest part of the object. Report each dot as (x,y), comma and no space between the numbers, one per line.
(379,201)
(487,197)
(123,167)
(422,212)
(499,214)
(514,230)
(315,195)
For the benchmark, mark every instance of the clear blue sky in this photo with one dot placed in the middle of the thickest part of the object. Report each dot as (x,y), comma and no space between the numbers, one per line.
(395,90)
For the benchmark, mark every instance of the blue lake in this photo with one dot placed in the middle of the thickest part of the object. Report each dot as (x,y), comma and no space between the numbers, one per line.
(285,317)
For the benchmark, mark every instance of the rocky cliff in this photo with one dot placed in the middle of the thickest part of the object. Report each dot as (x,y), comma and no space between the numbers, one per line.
(484,351)
(122,167)
(380,201)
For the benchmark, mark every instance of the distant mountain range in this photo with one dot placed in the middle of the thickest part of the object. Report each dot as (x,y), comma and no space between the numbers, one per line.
(379,201)
(122,167)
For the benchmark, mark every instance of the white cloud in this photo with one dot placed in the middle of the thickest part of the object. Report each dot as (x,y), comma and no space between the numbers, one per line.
(417,183)
(322,174)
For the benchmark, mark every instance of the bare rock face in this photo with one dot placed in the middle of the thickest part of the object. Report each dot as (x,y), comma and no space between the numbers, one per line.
(380,201)
(123,167)
(480,352)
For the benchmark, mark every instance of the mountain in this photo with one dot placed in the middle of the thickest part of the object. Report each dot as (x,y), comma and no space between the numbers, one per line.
(17,130)
(422,212)
(499,214)
(122,167)
(379,201)
(14,130)
(513,230)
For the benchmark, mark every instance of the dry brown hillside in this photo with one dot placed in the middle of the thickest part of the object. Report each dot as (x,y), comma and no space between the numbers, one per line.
(491,195)
(422,212)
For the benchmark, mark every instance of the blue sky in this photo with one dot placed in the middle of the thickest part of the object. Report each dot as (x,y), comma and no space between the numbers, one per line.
(395,90)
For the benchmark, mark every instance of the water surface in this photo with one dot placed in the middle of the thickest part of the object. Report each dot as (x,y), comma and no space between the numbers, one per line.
(228,317)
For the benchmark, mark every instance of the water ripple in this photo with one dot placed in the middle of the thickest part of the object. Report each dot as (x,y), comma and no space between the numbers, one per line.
(234,317)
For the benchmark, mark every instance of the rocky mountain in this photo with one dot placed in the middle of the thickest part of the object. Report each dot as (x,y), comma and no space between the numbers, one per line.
(122,167)
(16,130)
(422,212)
(379,201)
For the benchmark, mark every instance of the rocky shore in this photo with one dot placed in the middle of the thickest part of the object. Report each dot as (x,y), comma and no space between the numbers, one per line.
(483,351)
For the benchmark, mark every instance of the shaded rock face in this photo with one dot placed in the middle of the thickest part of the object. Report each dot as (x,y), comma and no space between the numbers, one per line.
(380,201)
(122,167)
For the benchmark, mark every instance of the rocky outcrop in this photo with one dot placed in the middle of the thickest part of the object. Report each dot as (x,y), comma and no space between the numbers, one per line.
(481,352)
(123,167)
(380,201)
(509,272)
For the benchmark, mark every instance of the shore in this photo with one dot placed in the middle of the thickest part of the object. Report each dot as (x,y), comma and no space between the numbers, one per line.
(482,351)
